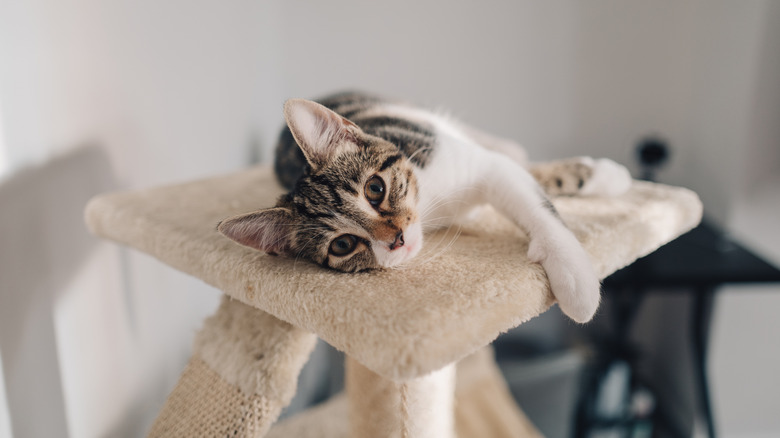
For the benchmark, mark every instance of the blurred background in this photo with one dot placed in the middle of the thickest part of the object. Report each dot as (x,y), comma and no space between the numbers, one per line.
(98,96)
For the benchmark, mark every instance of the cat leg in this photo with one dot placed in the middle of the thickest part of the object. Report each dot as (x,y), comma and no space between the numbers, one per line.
(583,176)
(513,191)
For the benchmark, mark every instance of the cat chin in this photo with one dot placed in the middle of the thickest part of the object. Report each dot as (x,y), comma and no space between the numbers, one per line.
(413,238)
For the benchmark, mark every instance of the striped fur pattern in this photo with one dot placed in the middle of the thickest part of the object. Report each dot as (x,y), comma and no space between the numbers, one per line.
(365,174)
(414,139)
(332,179)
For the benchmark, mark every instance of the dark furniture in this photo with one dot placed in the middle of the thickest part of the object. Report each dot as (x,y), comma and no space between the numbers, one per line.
(698,262)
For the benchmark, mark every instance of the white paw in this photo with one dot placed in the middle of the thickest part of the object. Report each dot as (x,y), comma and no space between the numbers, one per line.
(609,178)
(573,280)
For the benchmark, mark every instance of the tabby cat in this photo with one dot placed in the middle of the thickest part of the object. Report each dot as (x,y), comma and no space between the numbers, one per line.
(365,174)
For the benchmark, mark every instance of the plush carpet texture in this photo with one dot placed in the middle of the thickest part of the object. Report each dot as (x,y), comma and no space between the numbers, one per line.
(470,283)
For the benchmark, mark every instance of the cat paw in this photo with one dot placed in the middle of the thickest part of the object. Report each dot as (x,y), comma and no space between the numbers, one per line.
(608,178)
(573,280)
(582,176)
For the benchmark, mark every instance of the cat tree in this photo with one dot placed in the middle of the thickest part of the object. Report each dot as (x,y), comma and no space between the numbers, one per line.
(403,331)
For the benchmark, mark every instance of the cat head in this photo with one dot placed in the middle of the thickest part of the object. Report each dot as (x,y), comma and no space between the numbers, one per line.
(355,208)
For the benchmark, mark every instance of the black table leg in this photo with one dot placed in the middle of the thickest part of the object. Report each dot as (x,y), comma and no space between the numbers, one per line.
(611,347)
(702,314)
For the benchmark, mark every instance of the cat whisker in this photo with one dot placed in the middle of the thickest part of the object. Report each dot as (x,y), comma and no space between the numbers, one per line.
(301,250)
(432,252)
(418,151)
(440,202)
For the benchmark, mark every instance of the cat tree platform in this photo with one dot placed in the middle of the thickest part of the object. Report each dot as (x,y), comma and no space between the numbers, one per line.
(402,330)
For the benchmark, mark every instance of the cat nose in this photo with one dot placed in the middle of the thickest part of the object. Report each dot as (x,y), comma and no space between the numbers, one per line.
(399,241)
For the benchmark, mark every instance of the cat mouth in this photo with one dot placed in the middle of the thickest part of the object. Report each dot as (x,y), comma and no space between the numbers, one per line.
(406,245)
(399,241)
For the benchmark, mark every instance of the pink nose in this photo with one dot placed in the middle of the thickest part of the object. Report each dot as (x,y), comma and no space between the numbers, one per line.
(399,241)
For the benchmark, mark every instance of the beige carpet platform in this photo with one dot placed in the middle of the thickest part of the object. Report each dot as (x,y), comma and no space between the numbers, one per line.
(469,284)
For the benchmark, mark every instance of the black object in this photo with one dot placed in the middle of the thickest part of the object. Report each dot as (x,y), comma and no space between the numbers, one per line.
(653,153)
(698,262)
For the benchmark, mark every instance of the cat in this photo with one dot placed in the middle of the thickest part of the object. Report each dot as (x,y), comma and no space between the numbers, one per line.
(365,173)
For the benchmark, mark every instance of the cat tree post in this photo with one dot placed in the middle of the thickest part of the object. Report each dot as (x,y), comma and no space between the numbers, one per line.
(397,326)
(422,407)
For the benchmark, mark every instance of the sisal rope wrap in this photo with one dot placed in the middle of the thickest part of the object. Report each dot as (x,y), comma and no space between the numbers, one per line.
(404,388)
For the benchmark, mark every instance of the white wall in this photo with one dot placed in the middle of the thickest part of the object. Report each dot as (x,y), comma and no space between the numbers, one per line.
(745,357)
(4,166)
(175,90)
(551,74)
(93,339)
(5,417)
(762,160)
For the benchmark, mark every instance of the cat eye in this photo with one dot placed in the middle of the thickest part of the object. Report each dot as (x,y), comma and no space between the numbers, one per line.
(343,245)
(375,190)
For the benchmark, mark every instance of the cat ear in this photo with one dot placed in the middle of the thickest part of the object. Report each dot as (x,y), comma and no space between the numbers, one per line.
(267,230)
(321,133)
